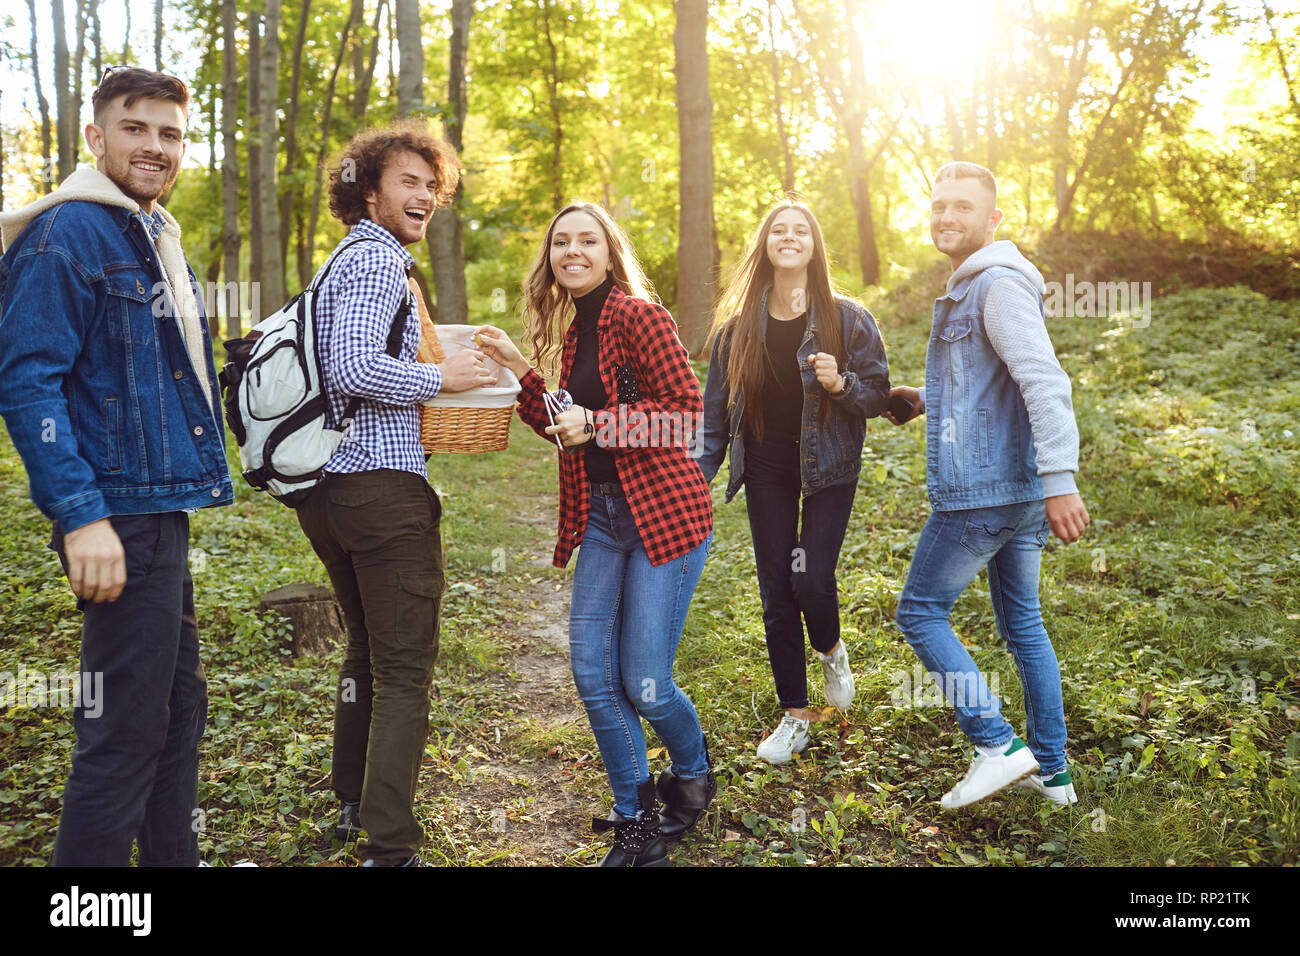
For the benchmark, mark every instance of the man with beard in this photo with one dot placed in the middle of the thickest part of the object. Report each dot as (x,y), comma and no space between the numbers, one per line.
(108,390)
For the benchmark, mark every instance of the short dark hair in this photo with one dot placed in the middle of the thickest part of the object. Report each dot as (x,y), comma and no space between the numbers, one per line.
(961,170)
(362,164)
(135,83)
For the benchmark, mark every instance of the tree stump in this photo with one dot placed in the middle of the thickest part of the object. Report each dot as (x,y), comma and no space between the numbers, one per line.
(317,623)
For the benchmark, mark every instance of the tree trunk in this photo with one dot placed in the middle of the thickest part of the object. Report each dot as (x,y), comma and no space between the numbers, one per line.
(410,47)
(557,136)
(787,167)
(317,624)
(854,117)
(95,33)
(47,168)
(254,72)
(66,119)
(365,77)
(157,35)
(695,278)
(126,35)
(230,167)
(79,56)
(268,129)
(291,136)
(446,252)
(325,135)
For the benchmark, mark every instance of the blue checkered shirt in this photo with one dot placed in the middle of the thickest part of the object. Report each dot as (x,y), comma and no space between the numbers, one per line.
(354,313)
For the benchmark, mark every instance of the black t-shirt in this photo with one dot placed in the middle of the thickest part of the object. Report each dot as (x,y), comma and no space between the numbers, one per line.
(585,384)
(783,390)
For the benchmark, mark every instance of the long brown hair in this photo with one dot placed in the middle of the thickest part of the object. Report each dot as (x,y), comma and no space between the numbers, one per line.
(548,307)
(738,319)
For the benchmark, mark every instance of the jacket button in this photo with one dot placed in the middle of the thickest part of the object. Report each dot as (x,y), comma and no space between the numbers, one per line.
(216,492)
(198,429)
(178,375)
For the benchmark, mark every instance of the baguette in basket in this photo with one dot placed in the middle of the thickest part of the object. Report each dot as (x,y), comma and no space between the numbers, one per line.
(463,422)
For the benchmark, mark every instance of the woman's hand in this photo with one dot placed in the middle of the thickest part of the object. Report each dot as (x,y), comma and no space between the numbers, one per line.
(828,372)
(572,426)
(497,346)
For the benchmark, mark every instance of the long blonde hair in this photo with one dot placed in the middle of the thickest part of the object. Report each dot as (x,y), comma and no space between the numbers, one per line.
(548,307)
(739,317)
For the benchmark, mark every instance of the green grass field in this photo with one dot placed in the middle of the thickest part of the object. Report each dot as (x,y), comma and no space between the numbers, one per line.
(1175,620)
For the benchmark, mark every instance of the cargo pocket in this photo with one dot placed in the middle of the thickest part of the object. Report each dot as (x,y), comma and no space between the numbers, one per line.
(420,597)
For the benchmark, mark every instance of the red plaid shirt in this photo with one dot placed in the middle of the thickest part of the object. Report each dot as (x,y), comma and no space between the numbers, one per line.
(649,436)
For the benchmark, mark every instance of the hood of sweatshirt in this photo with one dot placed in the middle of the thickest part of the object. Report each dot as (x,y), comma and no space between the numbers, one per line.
(85,184)
(1000,253)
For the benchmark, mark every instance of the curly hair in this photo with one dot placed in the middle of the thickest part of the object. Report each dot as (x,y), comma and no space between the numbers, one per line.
(361,165)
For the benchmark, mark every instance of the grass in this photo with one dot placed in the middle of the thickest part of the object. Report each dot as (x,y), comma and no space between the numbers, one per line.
(1175,620)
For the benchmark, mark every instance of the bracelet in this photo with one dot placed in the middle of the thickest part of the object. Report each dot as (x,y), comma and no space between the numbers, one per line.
(588,429)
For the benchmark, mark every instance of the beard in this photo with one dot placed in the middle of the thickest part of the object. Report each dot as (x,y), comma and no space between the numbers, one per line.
(144,189)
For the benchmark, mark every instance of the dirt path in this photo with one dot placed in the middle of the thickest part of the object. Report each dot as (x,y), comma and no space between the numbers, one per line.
(519,800)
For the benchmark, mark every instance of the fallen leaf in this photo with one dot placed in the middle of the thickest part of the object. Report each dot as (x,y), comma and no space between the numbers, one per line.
(1145,705)
(933,831)
(730,836)
(656,753)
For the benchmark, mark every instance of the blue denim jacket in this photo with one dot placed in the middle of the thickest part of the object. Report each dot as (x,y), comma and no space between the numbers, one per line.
(831,453)
(979,446)
(97,388)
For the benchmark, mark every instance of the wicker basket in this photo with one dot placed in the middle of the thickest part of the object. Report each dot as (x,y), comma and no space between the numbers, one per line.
(463,422)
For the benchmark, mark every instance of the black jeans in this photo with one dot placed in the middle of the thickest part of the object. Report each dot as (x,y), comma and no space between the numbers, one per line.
(135,767)
(378,535)
(796,566)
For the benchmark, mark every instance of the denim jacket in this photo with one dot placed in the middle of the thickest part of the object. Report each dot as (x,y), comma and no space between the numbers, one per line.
(830,452)
(97,388)
(979,445)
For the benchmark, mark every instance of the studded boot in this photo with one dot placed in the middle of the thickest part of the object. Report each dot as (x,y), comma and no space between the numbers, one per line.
(685,799)
(637,842)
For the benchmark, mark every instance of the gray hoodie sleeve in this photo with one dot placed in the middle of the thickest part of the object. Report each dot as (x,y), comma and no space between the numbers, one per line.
(1016,330)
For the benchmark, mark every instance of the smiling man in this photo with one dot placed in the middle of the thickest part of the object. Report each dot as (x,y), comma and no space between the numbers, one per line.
(107,389)
(1002,448)
(373,520)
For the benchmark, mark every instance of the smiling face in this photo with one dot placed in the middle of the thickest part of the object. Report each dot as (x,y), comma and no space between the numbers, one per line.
(404,201)
(963,217)
(139,147)
(790,241)
(579,253)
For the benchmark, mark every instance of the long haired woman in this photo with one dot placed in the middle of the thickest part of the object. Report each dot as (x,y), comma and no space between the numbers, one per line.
(634,498)
(795,372)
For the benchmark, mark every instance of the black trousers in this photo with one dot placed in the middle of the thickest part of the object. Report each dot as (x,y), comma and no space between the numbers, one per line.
(135,767)
(796,564)
(378,535)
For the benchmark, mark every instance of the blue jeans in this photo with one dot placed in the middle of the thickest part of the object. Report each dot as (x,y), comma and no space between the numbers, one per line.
(624,624)
(954,545)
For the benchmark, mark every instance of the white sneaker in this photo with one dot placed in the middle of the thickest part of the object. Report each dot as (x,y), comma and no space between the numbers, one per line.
(988,775)
(1059,789)
(837,678)
(789,738)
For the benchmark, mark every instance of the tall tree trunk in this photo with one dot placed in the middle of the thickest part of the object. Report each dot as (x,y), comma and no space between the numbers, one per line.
(446,252)
(291,134)
(98,38)
(553,92)
(79,55)
(157,35)
(268,130)
(695,274)
(325,135)
(66,119)
(787,161)
(410,52)
(47,168)
(230,166)
(860,169)
(1281,60)
(366,76)
(254,73)
(126,35)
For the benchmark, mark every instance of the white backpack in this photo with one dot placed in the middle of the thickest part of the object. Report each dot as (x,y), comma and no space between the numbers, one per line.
(274,396)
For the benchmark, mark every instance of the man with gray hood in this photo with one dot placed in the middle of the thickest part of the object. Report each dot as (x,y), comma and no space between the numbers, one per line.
(108,390)
(1002,448)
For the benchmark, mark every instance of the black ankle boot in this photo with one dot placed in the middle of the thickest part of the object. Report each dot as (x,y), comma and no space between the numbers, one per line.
(637,842)
(685,799)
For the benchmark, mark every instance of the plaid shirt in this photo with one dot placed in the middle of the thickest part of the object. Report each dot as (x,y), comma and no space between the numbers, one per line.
(665,488)
(354,313)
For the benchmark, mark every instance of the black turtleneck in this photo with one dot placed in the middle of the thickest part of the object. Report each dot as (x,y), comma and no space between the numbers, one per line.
(585,384)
